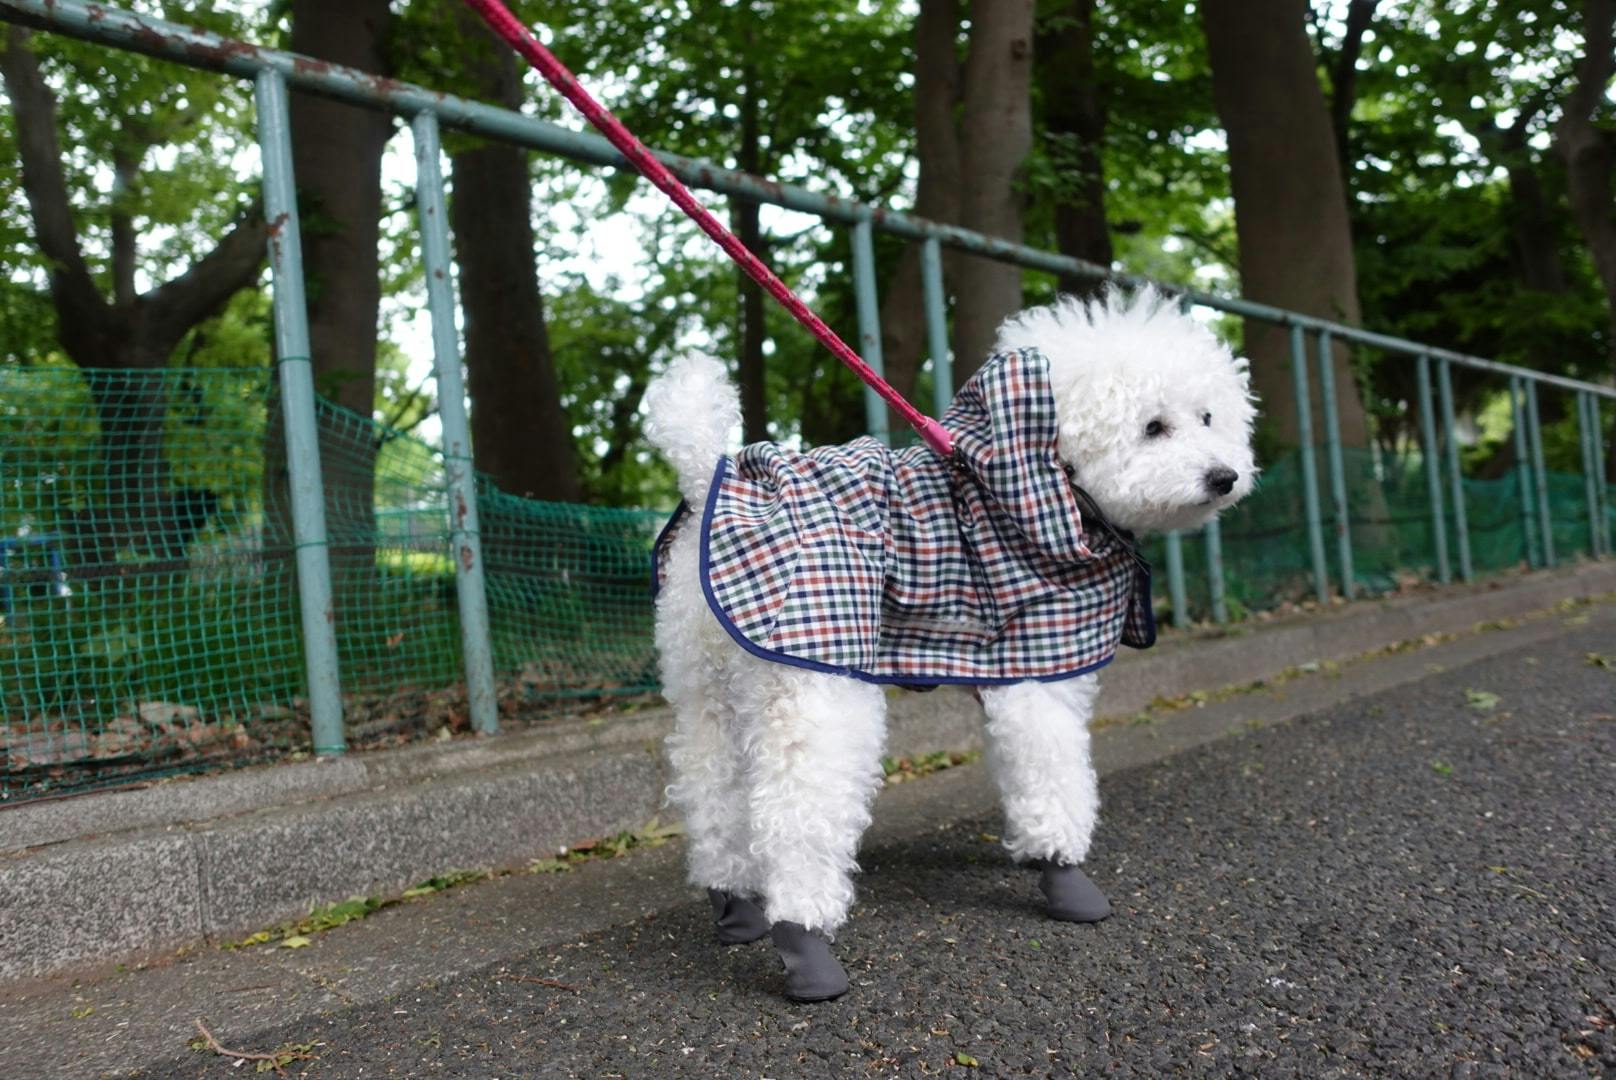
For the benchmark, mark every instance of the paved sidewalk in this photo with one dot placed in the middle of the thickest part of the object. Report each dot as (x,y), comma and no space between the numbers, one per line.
(132,875)
(1409,882)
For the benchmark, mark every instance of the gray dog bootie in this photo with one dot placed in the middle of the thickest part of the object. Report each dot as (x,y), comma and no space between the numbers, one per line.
(738,920)
(1072,896)
(812,973)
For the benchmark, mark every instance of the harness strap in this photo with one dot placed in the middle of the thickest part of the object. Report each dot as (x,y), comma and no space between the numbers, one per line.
(506,25)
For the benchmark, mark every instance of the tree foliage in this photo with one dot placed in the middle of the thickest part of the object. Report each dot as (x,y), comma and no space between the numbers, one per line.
(1449,114)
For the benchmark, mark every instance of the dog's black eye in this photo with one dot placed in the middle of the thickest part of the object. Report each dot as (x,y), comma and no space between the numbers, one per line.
(1206,419)
(1155,429)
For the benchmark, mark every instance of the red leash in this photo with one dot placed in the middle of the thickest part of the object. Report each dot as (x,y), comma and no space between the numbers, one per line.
(503,23)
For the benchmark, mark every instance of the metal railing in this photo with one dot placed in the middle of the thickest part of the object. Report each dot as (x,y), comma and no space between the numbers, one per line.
(273,71)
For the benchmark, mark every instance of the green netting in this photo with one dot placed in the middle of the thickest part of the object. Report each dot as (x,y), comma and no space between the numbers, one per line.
(148,604)
(148,609)
(1267,560)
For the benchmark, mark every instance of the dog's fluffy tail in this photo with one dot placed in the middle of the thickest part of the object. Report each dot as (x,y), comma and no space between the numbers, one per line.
(690,409)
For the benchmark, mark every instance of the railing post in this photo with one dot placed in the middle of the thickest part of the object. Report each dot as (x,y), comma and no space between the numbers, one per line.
(1433,482)
(869,321)
(1523,469)
(1540,473)
(1599,472)
(1338,472)
(931,285)
(1587,440)
(296,377)
(1212,536)
(465,541)
(1176,591)
(1310,478)
(1461,521)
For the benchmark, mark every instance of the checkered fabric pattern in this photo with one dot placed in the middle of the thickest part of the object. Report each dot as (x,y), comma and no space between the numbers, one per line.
(900,567)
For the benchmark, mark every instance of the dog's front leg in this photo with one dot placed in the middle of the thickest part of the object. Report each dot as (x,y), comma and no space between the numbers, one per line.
(1038,752)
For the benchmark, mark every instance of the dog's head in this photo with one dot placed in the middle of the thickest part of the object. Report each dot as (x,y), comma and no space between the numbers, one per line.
(1155,412)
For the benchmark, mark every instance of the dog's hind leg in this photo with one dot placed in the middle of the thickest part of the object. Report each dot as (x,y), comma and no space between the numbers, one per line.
(1038,752)
(708,789)
(705,751)
(814,747)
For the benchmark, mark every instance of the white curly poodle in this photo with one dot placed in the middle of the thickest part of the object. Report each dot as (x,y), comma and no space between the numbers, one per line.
(800,582)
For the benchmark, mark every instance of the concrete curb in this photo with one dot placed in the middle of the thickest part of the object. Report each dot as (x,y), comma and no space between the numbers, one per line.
(122,875)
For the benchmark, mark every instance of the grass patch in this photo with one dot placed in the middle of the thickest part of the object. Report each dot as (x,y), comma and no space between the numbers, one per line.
(652,834)
(900,769)
(298,934)
(295,935)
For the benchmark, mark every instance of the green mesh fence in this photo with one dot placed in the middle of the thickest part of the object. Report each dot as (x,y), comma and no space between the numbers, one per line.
(148,604)
(148,609)
(1267,561)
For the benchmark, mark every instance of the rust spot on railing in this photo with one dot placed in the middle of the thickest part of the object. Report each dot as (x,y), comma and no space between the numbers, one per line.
(308,65)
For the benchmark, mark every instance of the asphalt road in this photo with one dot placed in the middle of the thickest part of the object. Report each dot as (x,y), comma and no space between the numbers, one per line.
(1409,884)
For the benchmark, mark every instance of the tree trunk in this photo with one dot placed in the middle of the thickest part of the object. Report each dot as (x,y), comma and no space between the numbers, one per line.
(125,170)
(336,158)
(1589,152)
(937,94)
(1290,207)
(744,218)
(1532,229)
(1530,216)
(1074,119)
(519,433)
(995,136)
(751,370)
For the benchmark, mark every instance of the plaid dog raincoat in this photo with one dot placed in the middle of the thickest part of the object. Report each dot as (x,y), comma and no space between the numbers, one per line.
(896,566)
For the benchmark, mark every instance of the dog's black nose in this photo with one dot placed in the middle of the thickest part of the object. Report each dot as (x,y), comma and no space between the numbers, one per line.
(1220,480)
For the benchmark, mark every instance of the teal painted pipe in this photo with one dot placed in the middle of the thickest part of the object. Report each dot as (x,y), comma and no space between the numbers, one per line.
(1212,535)
(210,51)
(1586,424)
(1600,483)
(1433,482)
(1523,468)
(869,320)
(1176,591)
(1599,473)
(1540,473)
(1212,538)
(296,374)
(1310,474)
(1338,472)
(1590,498)
(1450,441)
(942,365)
(1177,588)
(465,543)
